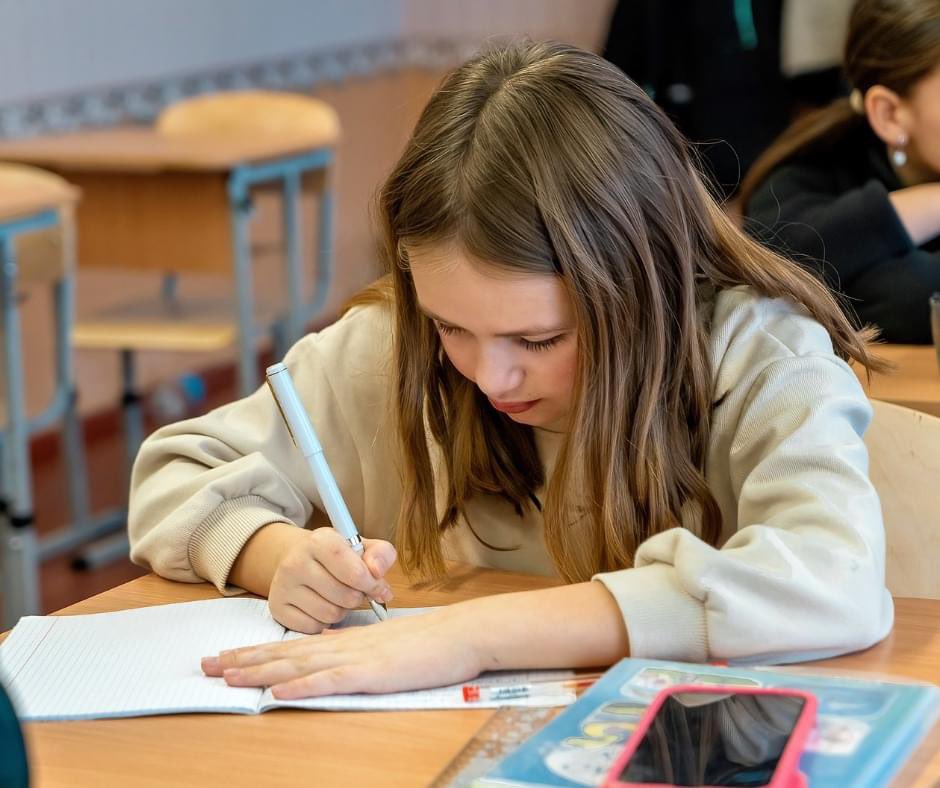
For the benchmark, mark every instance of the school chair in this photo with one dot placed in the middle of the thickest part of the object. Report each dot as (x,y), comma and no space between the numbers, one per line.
(904,463)
(170,322)
(37,252)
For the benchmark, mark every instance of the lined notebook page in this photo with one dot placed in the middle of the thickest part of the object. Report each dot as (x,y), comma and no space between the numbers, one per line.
(146,661)
(132,662)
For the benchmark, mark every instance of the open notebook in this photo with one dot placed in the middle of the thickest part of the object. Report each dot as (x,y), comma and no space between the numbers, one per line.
(146,661)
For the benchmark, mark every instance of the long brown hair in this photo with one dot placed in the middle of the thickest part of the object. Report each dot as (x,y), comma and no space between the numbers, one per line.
(894,43)
(546,159)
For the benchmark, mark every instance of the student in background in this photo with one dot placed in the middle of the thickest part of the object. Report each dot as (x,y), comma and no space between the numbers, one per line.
(730,74)
(577,367)
(853,191)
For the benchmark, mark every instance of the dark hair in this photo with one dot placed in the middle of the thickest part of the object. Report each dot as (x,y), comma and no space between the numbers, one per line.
(894,43)
(546,159)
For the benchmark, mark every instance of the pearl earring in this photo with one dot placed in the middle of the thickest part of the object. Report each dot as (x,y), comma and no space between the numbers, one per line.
(899,155)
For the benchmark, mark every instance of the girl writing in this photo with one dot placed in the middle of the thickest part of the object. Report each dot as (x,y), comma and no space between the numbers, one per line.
(576,366)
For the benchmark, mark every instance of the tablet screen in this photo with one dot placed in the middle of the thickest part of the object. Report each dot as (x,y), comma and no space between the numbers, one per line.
(710,739)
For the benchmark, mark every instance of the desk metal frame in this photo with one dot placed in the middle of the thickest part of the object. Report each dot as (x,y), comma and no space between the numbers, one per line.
(289,171)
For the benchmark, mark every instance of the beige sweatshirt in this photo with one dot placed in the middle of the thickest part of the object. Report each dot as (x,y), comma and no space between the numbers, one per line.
(800,570)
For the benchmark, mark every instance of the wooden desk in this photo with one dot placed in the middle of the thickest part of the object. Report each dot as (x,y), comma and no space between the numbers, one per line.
(288,747)
(915,383)
(159,203)
(151,200)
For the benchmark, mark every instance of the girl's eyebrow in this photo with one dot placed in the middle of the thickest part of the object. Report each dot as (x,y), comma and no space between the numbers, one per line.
(525,332)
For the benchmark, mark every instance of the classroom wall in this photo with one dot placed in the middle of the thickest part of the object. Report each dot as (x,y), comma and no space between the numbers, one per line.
(54,49)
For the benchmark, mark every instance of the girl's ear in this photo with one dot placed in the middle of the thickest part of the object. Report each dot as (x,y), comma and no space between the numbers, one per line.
(888,116)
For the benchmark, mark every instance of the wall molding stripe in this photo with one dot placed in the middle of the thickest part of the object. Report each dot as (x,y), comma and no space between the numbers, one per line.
(141,102)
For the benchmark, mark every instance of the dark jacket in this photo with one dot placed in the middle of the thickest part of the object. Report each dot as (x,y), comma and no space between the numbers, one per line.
(718,81)
(829,210)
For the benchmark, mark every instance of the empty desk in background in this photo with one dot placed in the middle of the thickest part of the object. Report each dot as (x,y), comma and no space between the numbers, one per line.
(290,747)
(153,202)
(915,381)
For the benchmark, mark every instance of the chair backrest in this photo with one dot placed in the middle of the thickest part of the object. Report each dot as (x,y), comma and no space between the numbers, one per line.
(44,255)
(252,112)
(904,463)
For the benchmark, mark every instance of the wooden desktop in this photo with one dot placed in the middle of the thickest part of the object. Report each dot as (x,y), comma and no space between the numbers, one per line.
(913,383)
(288,747)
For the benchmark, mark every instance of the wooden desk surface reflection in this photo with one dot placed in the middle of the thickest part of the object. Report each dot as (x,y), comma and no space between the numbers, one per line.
(287,747)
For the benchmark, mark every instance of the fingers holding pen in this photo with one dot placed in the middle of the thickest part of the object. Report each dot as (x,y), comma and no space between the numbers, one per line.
(365,573)
(321,578)
(379,556)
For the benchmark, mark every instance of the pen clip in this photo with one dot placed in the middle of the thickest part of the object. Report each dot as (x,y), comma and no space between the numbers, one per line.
(283,415)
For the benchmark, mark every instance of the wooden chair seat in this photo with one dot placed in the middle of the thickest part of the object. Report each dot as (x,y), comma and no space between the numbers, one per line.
(190,325)
(25,189)
(249,113)
(40,255)
(904,450)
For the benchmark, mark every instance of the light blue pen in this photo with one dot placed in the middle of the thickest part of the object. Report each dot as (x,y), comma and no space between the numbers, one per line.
(304,437)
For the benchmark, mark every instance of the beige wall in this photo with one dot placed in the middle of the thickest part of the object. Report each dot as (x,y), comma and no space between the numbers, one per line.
(376,114)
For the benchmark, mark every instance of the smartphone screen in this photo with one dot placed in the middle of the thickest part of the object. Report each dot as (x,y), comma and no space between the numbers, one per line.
(714,739)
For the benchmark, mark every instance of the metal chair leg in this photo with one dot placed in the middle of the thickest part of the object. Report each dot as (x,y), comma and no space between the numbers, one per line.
(241,214)
(20,575)
(83,527)
(116,546)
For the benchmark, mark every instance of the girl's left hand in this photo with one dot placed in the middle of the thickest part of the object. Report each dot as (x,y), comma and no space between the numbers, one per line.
(429,650)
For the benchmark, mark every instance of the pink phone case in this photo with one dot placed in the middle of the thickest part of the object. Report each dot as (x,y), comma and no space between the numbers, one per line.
(787,773)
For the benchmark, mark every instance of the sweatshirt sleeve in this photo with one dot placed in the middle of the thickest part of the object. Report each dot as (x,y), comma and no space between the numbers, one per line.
(200,488)
(838,235)
(803,576)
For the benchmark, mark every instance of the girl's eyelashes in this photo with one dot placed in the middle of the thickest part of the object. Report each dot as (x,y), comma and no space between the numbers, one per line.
(543,344)
(445,329)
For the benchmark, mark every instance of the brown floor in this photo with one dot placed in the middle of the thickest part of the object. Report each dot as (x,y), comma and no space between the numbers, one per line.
(61,585)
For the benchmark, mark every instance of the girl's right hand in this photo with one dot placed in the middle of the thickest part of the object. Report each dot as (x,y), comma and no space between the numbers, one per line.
(320,578)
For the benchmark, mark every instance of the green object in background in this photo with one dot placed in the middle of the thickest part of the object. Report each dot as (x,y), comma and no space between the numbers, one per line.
(744,19)
(14,773)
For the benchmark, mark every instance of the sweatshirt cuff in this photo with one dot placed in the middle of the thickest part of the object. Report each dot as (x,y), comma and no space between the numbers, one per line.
(663,621)
(219,539)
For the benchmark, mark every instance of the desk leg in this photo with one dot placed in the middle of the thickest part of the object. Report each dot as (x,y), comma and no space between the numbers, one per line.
(65,377)
(20,558)
(292,258)
(324,277)
(240,205)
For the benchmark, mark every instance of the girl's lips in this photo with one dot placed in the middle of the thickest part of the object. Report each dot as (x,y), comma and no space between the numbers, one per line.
(513,407)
